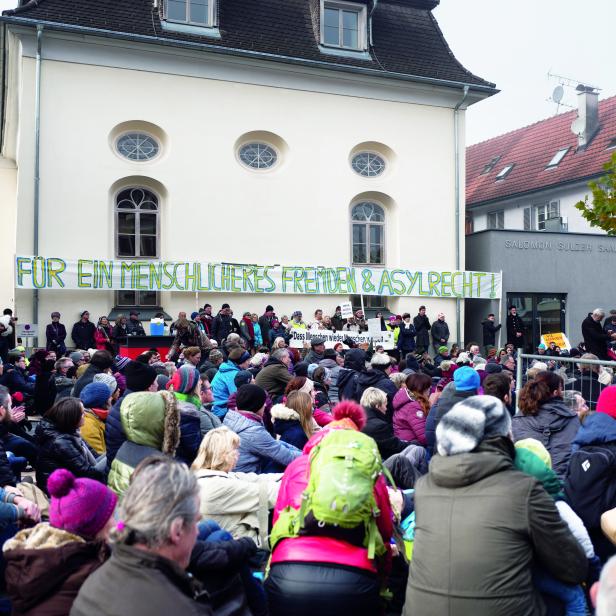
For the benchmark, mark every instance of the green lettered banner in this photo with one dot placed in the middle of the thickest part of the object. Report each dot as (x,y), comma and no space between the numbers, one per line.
(190,276)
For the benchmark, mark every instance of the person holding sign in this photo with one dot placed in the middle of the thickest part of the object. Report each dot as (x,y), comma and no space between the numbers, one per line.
(406,337)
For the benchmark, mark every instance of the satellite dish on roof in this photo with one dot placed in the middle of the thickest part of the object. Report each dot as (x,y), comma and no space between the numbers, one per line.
(578,126)
(558,94)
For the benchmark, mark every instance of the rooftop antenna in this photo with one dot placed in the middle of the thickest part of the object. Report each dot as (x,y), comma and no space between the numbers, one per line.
(559,91)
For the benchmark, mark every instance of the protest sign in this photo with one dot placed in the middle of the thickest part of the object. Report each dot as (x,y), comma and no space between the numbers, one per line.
(346,310)
(559,338)
(301,336)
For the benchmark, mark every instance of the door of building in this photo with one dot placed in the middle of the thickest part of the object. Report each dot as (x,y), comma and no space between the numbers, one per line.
(541,313)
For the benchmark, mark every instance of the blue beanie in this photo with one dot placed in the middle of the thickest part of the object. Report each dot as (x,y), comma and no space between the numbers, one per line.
(466,379)
(95,395)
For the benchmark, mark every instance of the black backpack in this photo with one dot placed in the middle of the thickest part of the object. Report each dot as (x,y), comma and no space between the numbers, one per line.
(590,485)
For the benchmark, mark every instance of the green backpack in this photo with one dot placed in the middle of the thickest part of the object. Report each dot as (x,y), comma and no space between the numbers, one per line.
(344,467)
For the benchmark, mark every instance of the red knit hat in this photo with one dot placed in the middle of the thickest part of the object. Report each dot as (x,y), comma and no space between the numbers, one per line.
(607,401)
(80,506)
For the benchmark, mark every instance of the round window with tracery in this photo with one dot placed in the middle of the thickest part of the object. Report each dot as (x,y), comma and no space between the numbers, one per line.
(137,146)
(258,155)
(368,164)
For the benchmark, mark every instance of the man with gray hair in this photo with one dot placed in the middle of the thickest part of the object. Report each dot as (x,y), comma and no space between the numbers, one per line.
(595,339)
(275,375)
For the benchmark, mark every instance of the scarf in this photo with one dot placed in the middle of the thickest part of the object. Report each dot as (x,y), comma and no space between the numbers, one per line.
(249,327)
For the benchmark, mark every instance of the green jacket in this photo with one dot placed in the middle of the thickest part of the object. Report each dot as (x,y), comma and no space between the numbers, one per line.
(151,422)
(479,524)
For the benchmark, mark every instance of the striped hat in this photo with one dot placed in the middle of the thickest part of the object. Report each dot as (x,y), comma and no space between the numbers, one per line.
(185,379)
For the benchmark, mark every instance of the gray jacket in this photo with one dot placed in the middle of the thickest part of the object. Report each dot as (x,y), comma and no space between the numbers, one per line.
(334,370)
(257,446)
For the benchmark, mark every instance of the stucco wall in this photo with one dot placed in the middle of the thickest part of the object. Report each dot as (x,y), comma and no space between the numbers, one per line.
(8,214)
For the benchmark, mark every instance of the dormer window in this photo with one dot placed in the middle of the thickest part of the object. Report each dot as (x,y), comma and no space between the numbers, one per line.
(504,172)
(343,25)
(200,13)
(557,158)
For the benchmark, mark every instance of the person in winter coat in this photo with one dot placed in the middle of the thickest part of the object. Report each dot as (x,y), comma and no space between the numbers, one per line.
(257,329)
(333,362)
(257,446)
(96,400)
(187,334)
(223,324)
(515,328)
(101,361)
(151,422)
(60,446)
(589,381)
(55,335)
(83,332)
(103,336)
(186,387)
(46,565)
(208,420)
(595,338)
(377,425)
(145,575)
(440,332)
(317,351)
(119,332)
(545,417)
(378,376)
(293,419)
(422,326)
(275,375)
(277,331)
(411,408)
(335,562)
(406,335)
(223,384)
(265,323)
(489,331)
(474,492)
(133,325)
(64,384)
(139,377)
(354,365)
(466,382)
(15,376)
(238,502)
(592,492)
(247,330)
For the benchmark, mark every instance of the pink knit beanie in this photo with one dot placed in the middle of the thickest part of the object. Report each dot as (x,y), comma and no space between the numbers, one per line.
(80,506)
(607,401)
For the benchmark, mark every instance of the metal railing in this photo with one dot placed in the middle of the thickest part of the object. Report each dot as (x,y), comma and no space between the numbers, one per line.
(523,363)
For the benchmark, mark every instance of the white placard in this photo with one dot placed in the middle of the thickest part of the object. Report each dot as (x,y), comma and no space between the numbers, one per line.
(346,308)
(26,330)
(374,327)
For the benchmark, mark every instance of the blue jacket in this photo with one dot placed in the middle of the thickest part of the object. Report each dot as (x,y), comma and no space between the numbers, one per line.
(190,430)
(287,425)
(114,432)
(223,386)
(258,336)
(16,380)
(257,446)
(406,338)
(598,428)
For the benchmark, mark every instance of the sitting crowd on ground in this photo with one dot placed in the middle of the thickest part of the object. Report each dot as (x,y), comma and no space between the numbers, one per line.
(224,476)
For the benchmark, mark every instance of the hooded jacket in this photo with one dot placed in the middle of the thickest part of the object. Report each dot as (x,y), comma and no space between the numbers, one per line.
(233,500)
(46,567)
(287,426)
(190,427)
(151,422)
(382,432)
(139,583)
(354,365)
(555,426)
(334,371)
(377,378)
(223,386)
(409,417)
(257,446)
(595,339)
(273,377)
(62,450)
(497,520)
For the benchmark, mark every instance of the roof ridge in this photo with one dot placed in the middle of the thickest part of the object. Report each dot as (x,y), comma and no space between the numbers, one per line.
(521,128)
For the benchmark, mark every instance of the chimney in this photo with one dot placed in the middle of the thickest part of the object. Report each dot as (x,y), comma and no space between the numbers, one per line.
(587,123)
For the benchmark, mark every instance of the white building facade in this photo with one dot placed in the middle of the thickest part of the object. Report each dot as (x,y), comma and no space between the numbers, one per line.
(170,149)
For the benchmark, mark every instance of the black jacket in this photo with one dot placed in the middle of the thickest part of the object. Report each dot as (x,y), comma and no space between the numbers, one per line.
(338,323)
(222,326)
(377,378)
(83,335)
(595,338)
(16,379)
(422,327)
(514,326)
(489,332)
(55,333)
(7,477)
(440,330)
(134,328)
(265,323)
(382,432)
(406,338)
(61,450)
(85,379)
(588,384)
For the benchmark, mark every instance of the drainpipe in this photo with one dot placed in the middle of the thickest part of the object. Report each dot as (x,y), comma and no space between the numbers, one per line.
(370,20)
(37,160)
(456,138)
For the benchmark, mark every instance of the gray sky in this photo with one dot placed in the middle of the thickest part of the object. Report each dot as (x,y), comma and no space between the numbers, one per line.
(515,45)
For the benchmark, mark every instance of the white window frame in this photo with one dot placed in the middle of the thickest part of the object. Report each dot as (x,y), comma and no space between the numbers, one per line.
(211,15)
(135,132)
(546,210)
(116,227)
(505,171)
(498,218)
(557,158)
(362,24)
(367,224)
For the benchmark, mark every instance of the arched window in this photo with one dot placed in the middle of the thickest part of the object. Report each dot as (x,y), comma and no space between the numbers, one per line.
(368,232)
(137,223)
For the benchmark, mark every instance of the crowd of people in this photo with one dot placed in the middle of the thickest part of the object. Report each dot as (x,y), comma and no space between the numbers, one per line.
(233,474)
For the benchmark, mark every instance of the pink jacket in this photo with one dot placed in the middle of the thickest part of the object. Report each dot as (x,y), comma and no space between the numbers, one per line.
(324,549)
(409,417)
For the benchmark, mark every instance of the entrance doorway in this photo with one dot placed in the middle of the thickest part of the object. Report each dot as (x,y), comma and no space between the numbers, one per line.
(541,313)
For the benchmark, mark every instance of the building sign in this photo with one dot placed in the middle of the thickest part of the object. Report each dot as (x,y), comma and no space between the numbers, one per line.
(301,337)
(26,330)
(55,273)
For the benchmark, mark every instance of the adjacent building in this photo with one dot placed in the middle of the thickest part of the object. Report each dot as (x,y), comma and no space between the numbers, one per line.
(310,132)
(521,191)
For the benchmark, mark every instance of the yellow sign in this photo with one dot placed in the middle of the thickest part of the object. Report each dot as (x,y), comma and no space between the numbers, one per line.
(561,341)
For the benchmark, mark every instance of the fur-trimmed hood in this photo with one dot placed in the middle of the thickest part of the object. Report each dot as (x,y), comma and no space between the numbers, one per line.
(280,411)
(41,537)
